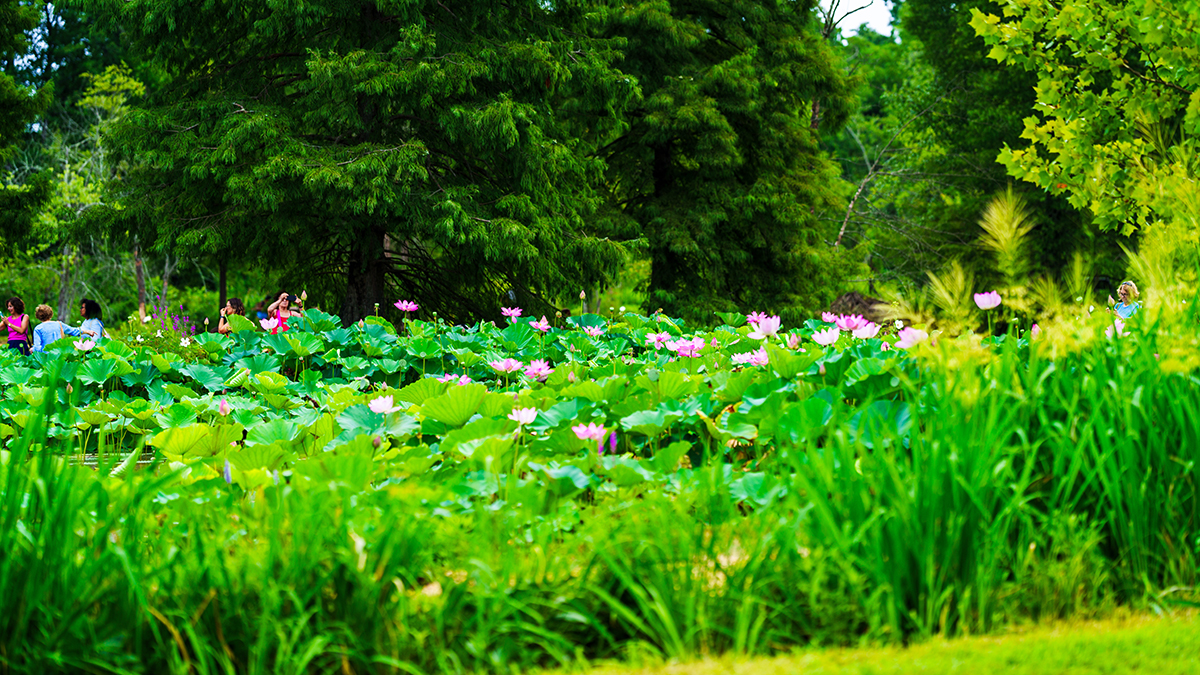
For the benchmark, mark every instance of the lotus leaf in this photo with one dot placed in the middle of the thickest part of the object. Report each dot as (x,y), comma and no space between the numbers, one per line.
(265,382)
(180,391)
(239,323)
(238,379)
(17,375)
(207,377)
(455,406)
(96,371)
(274,431)
(259,363)
(182,441)
(420,390)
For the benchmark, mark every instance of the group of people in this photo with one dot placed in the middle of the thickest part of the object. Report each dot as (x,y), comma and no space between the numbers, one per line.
(26,338)
(276,313)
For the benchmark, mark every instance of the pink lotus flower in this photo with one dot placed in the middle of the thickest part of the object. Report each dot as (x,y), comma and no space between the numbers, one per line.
(688,348)
(829,317)
(986,301)
(269,324)
(523,416)
(755,317)
(886,346)
(756,358)
(542,325)
(766,328)
(86,345)
(223,408)
(594,331)
(511,312)
(657,340)
(464,380)
(827,337)
(506,365)
(406,305)
(851,322)
(793,340)
(448,377)
(382,405)
(538,370)
(910,336)
(868,331)
(1035,331)
(571,377)
(589,432)
(1115,330)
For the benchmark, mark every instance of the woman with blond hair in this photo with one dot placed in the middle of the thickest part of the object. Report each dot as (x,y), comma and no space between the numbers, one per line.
(49,331)
(1128,305)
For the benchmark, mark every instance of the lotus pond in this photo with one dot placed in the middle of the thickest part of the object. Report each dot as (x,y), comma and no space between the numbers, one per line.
(430,498)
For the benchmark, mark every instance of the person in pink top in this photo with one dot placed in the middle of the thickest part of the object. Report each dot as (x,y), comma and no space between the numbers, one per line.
(18,325)
(282,310)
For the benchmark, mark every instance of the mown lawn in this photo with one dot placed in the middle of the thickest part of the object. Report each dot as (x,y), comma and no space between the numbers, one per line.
(1141,644)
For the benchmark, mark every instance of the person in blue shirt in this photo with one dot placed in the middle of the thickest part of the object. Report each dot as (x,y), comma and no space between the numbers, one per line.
(1128,304)
(92,320)
(49,331)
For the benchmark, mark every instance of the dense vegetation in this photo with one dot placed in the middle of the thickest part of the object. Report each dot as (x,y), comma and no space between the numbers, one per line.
(328,496)
(458,485)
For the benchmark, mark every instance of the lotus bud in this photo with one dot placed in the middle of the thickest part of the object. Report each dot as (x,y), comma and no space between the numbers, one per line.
(583,295)
(206,321)
(223,408)
(558,315)
(821,369)
(303,296)
(376,442)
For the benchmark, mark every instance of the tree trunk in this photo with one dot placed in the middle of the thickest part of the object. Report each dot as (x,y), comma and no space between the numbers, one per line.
(139,271)
(64,285)
(222,270)
(366,273)
(168,268)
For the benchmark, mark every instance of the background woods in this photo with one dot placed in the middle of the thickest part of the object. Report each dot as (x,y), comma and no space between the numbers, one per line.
(693,157)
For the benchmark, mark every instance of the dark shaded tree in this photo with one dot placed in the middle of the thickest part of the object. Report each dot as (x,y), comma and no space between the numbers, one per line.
(373,149)
(719,167)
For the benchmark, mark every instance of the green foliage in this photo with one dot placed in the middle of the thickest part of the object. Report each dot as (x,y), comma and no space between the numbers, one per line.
(401,151)
(1114,119)
(742,511)
(719,166)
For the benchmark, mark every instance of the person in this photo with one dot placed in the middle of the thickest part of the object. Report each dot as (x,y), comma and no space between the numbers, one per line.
(281,310)
(1128,305)
(93,323)
(18,326)
(232,306)
(47,331)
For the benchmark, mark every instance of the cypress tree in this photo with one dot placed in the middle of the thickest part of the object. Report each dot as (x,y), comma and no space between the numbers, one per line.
(19,106)
(719,167)
(374,149)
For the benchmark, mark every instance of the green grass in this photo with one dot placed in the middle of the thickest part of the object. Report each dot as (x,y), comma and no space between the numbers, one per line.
(1143,644)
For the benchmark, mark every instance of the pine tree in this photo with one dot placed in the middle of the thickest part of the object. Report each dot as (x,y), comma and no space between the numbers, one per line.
(719,167)
(19,105)
(373,149)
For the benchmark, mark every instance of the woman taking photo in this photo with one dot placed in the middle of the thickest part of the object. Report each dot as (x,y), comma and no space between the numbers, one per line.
(232,306)
(281,310)
(18,326)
